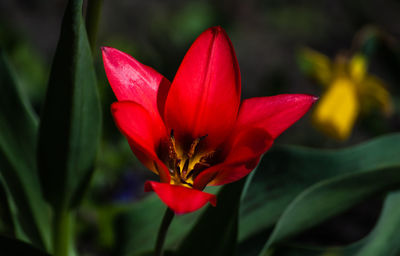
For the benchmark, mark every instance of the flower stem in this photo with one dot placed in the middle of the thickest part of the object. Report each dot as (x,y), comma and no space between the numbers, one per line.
(62,228)
(162,232)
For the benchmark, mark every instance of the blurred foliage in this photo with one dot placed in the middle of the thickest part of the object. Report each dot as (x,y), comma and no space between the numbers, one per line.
(28,61)
(18,136)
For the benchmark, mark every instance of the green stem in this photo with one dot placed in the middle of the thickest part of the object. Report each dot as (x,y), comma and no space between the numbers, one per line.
(62,231)
(93,12)
(162,232)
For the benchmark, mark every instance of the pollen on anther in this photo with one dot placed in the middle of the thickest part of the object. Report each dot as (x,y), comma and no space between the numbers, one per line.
(172,149)
(193,146)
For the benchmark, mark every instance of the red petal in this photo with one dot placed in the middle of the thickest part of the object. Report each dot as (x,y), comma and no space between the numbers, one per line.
(225,173)
(144,133)
(259,122)
(273,114)
(205,95)
(243,153)
(133,81)
(180,199)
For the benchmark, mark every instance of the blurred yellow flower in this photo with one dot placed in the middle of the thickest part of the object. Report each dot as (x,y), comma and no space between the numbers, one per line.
(349,91)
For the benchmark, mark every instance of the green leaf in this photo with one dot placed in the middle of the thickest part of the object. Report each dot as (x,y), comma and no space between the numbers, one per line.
(70,125)
(12,247)
(18,129)
(286,171)
(215,233)
(330,197)
(383,240)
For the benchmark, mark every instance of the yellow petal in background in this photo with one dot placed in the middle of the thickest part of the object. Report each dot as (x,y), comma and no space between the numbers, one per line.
(373,94)
(315,65)
(358,67)
(337,109)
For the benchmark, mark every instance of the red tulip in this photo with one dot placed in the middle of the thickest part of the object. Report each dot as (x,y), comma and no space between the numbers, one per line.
(194,132)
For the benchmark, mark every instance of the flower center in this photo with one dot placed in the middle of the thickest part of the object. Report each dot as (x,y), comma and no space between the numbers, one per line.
(185,164)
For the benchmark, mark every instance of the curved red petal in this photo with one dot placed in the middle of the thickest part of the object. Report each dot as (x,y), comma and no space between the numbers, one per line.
(273,114)
(132,81)
(259,122)
(180,199)
(243,153)
(205,94)
(143,133)
(230,173)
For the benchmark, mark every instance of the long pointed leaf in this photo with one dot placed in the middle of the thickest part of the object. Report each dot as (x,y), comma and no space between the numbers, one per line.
(383,240)
(286,171)
(70,125)
(330,197)
(18,129)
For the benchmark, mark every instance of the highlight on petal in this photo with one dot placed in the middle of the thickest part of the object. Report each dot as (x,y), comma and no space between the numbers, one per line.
(274,114)
(143,133)
(338,109)
(132,81)
(180,199)
(205,94)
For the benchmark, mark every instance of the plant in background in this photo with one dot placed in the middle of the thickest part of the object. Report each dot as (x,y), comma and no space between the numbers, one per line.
(194,132)
(349,91)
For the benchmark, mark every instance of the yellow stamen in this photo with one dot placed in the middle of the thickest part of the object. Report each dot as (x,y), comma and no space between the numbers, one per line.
(185,166)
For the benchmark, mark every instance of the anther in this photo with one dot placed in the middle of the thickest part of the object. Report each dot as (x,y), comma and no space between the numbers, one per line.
(194,145)
(172,140)
(177,168)
(185,182)
(172,151)
(185,168)
(207,157)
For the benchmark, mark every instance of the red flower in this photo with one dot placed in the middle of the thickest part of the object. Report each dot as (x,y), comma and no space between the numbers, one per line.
(194,132)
